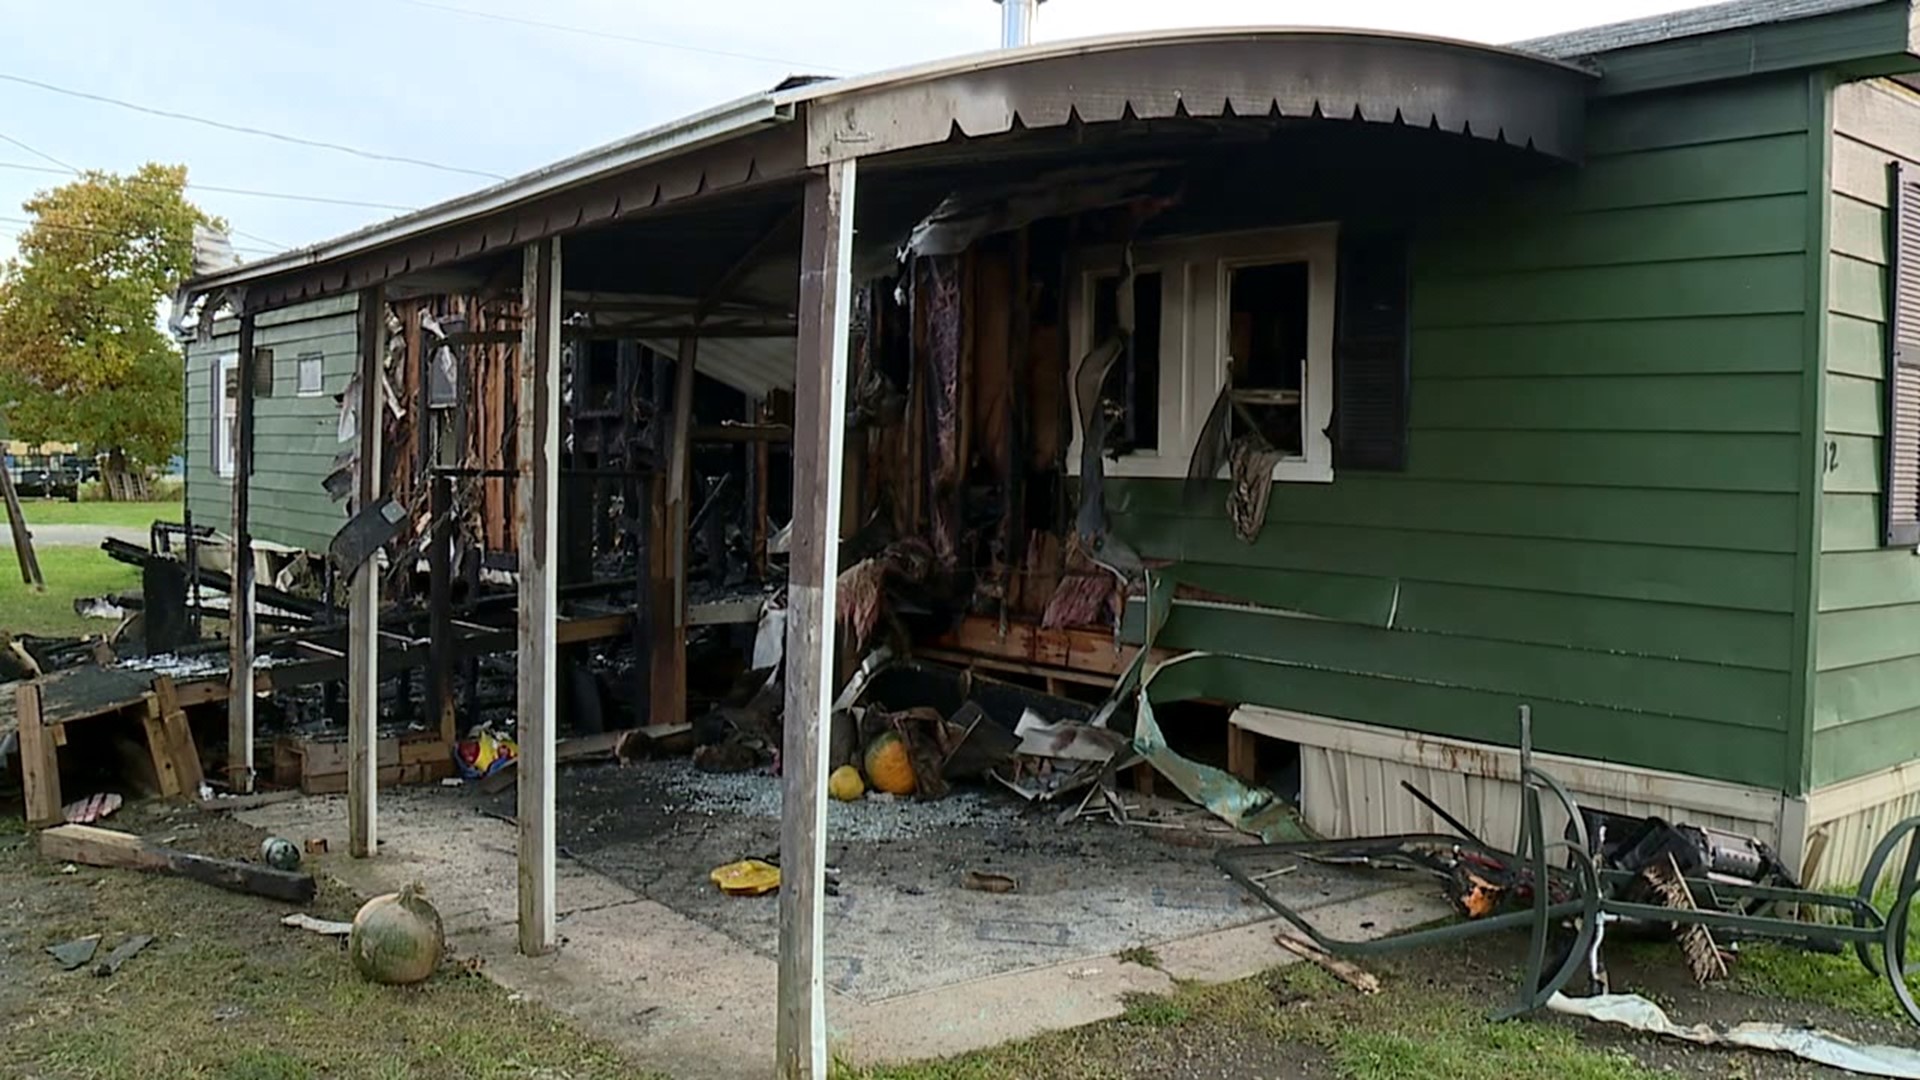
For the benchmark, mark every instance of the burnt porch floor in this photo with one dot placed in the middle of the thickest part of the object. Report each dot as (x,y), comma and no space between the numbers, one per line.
(902,922)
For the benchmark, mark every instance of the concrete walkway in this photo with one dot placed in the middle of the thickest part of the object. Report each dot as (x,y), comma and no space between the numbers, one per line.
(46,536)
(686,1000)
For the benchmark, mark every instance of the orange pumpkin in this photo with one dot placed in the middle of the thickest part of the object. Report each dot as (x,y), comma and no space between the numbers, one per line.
(888,768)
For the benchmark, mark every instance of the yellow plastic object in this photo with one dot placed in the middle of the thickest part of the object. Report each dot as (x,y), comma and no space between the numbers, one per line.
(748,877)
(888,766)
(845,784)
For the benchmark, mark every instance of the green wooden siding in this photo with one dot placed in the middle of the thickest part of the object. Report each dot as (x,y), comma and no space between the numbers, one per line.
(1602,504)
(295,437)
(1866,710)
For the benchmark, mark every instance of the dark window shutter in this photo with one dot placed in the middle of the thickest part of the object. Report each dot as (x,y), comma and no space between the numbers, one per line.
(1370,353)
(1902,508)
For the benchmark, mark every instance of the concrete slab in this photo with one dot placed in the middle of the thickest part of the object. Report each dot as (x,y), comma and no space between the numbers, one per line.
(686,995)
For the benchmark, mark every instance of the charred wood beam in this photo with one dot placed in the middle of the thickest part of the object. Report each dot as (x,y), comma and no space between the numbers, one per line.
(743,433)
(440,696)
(219,581)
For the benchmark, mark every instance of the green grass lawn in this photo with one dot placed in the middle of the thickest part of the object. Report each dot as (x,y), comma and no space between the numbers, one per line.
(136,515)
(70,572)
(225,992)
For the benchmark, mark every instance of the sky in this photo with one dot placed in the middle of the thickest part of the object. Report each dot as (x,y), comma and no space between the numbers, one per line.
(459,84)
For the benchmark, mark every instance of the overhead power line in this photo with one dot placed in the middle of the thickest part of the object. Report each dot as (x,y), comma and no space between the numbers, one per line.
(244,130)
(587,31)
(275,244)
(192,186)
(39,154)
(62,227)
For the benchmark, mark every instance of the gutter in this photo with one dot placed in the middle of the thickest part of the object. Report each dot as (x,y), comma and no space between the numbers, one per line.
(679,137)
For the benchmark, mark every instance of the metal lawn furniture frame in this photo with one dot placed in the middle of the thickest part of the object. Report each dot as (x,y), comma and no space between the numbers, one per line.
(1589,894)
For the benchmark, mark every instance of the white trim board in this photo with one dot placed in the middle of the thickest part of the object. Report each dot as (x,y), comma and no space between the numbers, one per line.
(1580,775)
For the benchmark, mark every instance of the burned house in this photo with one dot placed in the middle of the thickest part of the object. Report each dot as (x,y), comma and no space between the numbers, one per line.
(1329,393)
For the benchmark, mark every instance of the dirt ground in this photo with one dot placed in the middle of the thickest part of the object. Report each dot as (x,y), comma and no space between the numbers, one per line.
(226,992)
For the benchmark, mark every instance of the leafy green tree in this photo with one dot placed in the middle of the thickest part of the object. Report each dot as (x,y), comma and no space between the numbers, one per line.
(82,355)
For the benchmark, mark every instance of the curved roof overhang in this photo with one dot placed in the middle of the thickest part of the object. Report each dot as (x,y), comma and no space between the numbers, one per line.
(766,143)
(1481,91)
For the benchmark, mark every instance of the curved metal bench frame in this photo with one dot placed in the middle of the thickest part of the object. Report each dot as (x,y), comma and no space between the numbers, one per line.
(1591,894)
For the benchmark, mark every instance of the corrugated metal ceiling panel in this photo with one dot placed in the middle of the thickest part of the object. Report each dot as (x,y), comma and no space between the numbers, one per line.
(753,366)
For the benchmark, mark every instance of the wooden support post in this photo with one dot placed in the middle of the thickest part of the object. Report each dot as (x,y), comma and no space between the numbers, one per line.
(363,594)
(666,656)
(39,757)
(158,749)
(762,476)
(240,622)
(440,696)
(670,661)
(1243,753)
(536,518)
(22,538)
(179,736)
(819,429)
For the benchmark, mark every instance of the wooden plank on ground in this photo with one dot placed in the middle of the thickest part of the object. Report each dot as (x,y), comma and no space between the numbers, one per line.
(94,846)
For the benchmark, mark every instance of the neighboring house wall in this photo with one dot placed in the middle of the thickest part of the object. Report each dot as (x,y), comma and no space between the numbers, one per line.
(296,435)
(1867,690)
(1601,509)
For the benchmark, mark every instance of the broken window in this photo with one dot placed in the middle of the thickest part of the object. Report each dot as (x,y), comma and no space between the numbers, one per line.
(1267,313)
(1131,393)
(1243,321)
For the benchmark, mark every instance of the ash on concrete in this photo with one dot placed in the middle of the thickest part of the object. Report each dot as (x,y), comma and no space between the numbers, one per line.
(902,923)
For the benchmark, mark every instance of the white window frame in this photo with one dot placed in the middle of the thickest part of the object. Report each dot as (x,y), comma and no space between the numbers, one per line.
(319,387)
(226,413)
(1195,331)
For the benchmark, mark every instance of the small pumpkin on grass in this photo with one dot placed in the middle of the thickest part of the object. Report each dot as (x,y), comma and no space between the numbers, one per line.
(888,766)
(397,939)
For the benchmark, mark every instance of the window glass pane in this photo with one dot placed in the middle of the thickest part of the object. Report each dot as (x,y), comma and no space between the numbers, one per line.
(1131,393)
(1267,340)
(312,369)
(263,373)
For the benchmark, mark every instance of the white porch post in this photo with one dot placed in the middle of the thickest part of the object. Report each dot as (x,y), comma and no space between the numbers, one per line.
(240,605)
(536,522)
(363,592)
(819,417)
